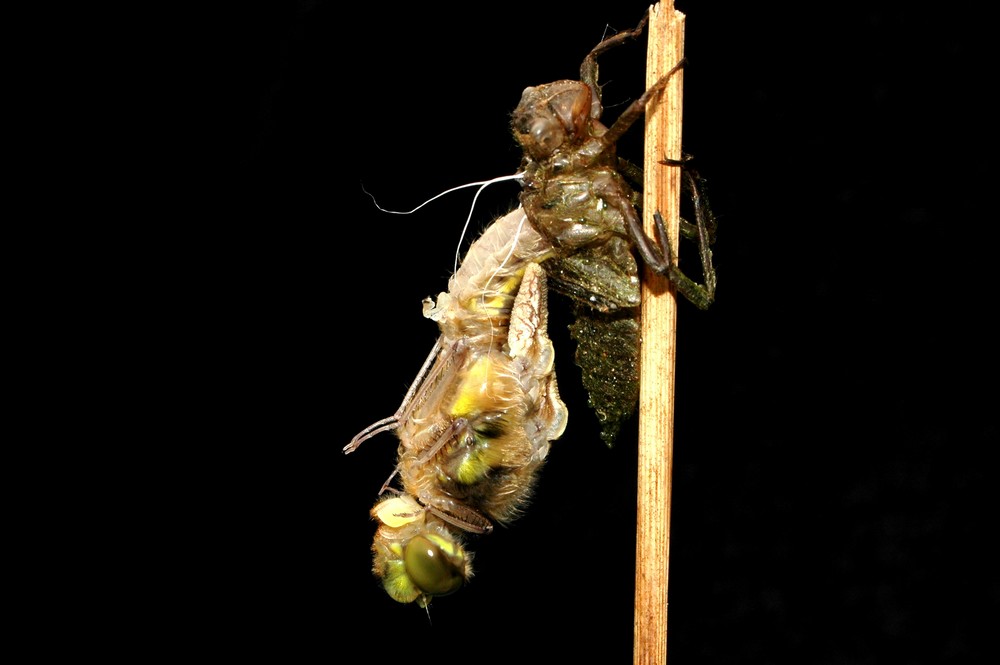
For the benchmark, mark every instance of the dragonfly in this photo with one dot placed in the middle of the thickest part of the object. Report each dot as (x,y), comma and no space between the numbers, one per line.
(478,421)
(476,426)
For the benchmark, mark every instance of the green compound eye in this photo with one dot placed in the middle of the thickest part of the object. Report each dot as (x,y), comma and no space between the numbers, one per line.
(435,565)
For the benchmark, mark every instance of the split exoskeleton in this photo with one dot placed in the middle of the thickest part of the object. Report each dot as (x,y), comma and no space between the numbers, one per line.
(576,195)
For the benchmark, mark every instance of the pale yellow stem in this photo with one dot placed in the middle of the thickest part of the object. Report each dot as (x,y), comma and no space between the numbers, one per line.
(661,191)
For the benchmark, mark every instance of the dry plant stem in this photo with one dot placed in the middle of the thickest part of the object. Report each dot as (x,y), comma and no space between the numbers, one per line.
(661,191)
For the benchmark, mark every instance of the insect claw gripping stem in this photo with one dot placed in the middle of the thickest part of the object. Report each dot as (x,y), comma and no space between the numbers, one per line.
(701,295)
(588,69)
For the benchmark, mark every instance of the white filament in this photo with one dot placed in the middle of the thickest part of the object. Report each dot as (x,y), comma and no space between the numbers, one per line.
(482,184)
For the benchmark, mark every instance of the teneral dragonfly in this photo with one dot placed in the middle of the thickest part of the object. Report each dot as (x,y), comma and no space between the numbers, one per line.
(476,426)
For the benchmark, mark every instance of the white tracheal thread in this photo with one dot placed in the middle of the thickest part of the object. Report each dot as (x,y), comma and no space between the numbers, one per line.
(482,184)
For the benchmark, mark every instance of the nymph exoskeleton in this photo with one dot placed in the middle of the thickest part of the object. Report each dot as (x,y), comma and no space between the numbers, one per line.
(476,426)
(576,196)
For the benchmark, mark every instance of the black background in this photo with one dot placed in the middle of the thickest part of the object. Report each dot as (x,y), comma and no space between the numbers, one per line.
(834,409)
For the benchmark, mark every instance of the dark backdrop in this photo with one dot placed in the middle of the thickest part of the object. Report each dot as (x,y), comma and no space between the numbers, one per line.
(834,407)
